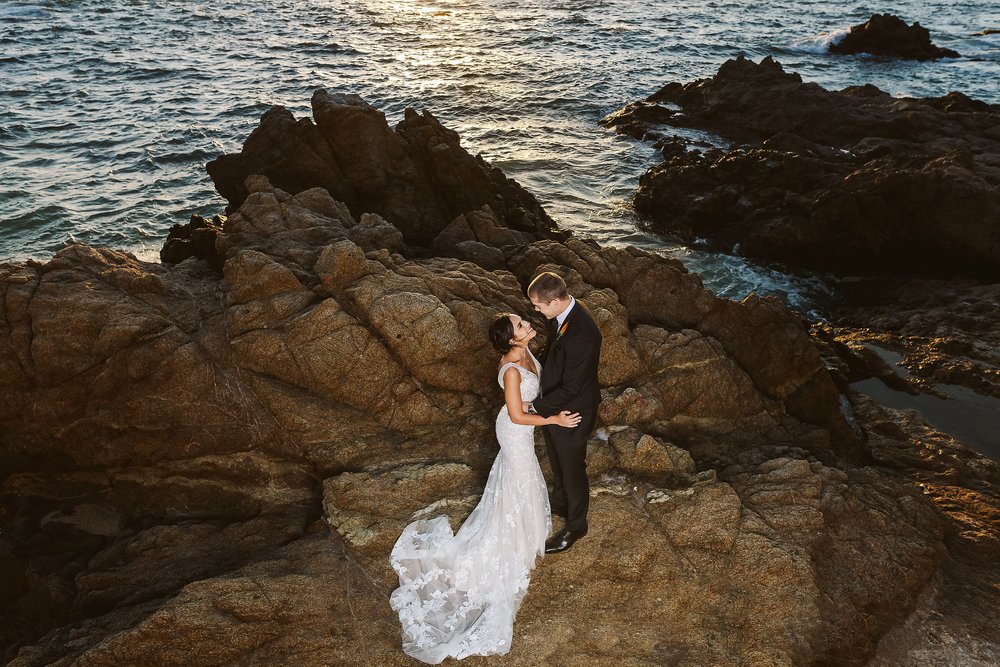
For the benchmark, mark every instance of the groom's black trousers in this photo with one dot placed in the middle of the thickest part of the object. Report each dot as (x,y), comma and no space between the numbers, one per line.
(567,450)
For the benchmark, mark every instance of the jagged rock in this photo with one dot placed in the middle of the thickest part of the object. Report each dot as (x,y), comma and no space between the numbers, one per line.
(853,181)
(195,239)
(636,453)
(481,226)
(307,603)
(416,176)
(170,437)
(478,238)
(888,35)
(696,387)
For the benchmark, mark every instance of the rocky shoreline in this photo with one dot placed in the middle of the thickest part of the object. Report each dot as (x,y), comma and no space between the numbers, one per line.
(898,199)
(205,468)
(853,181)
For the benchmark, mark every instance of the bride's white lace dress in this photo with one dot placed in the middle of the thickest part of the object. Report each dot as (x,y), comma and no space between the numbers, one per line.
(458,594)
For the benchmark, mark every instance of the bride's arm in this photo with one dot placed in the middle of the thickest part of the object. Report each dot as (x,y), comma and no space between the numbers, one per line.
(515,408)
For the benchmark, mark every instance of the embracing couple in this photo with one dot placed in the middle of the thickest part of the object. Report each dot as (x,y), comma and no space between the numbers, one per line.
(458,594)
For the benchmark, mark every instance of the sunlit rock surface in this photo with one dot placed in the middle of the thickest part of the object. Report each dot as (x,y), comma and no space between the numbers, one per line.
(202,469)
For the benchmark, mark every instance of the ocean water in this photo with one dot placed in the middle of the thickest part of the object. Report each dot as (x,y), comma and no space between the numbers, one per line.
(110,109)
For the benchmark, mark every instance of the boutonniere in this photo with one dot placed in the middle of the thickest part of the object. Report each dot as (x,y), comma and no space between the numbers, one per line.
(562,330)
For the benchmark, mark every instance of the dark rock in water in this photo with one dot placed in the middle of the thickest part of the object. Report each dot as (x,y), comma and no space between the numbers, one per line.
(888,35)
(637,118)
(988,31)
(416,176)
(851,181)
(195,239)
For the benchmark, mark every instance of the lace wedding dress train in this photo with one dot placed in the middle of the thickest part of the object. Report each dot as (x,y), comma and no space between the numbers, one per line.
(458,594)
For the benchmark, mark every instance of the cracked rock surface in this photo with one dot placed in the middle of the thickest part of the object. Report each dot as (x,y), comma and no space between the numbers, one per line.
(208,469)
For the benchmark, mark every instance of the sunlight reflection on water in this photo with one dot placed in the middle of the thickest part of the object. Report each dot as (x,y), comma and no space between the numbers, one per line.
(108,111)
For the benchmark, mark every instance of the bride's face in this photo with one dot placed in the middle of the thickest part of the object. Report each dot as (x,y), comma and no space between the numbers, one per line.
(523,332)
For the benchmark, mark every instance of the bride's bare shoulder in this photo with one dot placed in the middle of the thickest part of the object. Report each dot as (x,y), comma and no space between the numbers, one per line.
(510,367)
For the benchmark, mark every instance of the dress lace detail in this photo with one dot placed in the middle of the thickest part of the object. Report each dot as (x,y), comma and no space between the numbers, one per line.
(458,594)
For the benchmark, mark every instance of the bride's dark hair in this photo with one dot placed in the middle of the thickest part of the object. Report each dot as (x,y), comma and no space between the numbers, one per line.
(501,331)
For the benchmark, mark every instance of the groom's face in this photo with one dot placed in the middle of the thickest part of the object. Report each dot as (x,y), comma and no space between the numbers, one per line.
(547,308)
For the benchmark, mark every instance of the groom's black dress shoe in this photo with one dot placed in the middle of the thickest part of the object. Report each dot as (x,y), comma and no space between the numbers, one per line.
(563,540)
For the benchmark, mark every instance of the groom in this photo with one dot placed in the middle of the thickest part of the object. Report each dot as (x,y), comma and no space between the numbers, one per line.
(569,382)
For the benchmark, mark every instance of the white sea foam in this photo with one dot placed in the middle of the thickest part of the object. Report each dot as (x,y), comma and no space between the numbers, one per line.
(820,43)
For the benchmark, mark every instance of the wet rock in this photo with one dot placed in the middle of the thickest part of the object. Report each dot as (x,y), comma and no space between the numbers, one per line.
(851,181)
(937,331)
(947,624)
(888,35)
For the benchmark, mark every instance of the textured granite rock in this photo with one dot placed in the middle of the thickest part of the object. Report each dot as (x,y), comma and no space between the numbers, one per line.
(210,469)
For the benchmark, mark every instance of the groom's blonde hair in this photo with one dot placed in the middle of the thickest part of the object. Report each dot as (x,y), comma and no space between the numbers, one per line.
(548,287)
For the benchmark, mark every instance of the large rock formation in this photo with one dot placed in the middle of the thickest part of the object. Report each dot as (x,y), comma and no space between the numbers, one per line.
(202,469)
(888,35)
(849,181)
(417,176)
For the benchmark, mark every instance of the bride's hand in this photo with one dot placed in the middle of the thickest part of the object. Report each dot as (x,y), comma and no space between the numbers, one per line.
(568,419)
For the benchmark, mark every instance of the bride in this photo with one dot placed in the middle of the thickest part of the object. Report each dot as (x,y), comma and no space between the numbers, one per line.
(458,594)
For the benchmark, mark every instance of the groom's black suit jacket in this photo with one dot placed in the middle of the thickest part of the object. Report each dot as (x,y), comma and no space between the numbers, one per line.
(569,375)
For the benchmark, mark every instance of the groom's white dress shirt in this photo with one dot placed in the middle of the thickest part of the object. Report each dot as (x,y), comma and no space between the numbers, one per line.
(561,317)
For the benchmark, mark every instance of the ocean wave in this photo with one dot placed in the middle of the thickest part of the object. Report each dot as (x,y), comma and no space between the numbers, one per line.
(579,6)
(71,28)
(14,130)
(328,47)
(15,13)
(248,110)
(10,195)
(146,73)
(820,43)
(198,155)
(575,19)
(35,220)
(734,277)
